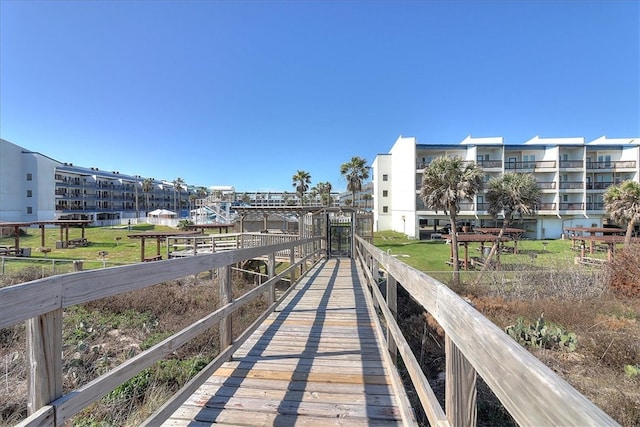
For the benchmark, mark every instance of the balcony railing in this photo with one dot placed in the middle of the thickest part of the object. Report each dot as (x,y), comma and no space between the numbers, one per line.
(571,206)
(487,164)
(546,185)
(599,185)
(546,164)
(595,206)
(546,206)
(571,164)
(625,164)
(466,206)
(571,185)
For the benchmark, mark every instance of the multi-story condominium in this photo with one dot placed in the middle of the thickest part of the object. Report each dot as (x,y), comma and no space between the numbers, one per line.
(34,187)
(572,174)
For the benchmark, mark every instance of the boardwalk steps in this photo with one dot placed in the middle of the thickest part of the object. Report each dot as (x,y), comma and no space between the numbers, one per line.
(317,360)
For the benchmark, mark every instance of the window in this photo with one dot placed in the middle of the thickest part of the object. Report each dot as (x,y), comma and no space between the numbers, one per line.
(29,193)
(385,193)
(385,209)
(565,198)
(385,177)
(29,177)
(29,210)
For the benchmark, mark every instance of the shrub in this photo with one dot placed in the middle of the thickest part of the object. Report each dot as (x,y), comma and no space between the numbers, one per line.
(542,335)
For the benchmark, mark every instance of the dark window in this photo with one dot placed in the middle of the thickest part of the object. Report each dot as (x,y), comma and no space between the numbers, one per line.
(29,177)
(385,177)
(385,193)
(29,193)
(29,210)
(385,209)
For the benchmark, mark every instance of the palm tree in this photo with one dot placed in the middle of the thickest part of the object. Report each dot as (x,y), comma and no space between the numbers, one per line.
(513,194)
(178,186)
(324,188)
(147,187)
(301,182)
(366,197)
(622,203)
(446,182)
(355,171)
(313,194)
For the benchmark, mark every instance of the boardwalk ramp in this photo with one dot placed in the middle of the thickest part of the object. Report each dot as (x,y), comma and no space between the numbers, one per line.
(318,360)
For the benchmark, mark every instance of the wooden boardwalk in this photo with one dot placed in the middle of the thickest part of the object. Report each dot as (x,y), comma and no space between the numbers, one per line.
(318,360)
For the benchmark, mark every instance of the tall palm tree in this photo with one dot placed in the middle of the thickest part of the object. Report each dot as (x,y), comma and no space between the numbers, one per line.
(178,186)
(512,194)
(446,182)
(622,203)
(324,188)
(147,187)
(301,182)
(355,171)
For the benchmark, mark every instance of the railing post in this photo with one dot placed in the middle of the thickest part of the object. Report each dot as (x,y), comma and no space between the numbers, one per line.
(292,260)
(460,387)
(392,303)
(224,280)
(44,348)
(271,271)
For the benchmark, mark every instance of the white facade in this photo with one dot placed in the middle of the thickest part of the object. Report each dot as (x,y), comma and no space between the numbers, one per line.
(26,184)
(571,173)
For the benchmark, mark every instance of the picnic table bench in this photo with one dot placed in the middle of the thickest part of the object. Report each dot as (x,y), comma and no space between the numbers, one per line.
(78,242)
(152,258)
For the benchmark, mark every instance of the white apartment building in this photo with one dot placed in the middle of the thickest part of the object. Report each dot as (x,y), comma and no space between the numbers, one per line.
(572,173)
(34,187)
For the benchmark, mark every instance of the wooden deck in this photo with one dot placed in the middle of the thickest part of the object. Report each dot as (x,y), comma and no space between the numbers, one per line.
(318,360)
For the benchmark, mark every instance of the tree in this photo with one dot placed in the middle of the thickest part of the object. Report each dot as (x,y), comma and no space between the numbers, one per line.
(178,186)
(355,171)
(446,182)
(147,187)
(301,182)
(366,198)
(512,194)
(622,203)
(324,189)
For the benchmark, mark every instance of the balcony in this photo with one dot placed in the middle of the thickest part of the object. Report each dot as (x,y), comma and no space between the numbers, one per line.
(546,185)
(467,206)
(595,206)
(626,164)
(488,164)
(546,207)
(571,206)
(546,164)
(571,185)
(599,185)
(568,164)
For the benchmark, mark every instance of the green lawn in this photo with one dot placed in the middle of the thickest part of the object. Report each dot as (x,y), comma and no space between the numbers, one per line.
(430,256)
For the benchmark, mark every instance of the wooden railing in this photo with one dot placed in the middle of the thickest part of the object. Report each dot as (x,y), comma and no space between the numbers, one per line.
(41,304)
(531,392)
(179,246)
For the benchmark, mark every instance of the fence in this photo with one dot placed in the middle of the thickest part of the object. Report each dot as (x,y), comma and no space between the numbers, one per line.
(531,392)
(41,304)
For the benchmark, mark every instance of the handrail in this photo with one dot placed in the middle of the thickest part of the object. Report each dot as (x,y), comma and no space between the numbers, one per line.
(530,391)
(41,303)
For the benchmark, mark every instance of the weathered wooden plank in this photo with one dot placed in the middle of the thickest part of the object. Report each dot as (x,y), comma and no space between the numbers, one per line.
(207,392)
(306,365)
(265,384)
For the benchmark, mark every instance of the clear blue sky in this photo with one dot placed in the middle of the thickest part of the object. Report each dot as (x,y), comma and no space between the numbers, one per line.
(245,93)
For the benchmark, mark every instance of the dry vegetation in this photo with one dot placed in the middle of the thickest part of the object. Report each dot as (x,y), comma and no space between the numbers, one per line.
(102,334)
(601,306)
